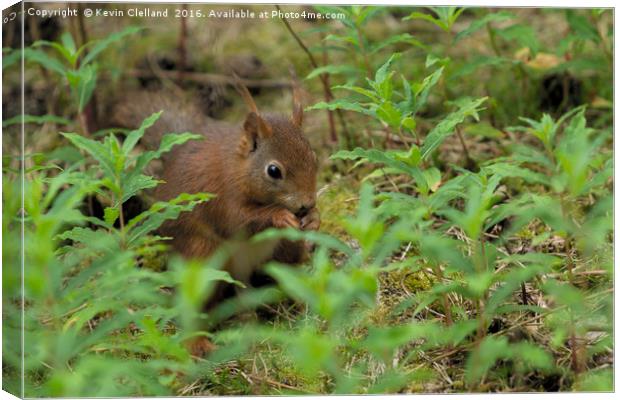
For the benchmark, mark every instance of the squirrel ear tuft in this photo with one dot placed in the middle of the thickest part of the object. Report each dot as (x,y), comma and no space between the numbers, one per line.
(298,110)
(245,94)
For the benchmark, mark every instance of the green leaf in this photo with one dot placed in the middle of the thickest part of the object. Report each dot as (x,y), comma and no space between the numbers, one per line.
(422,90)
(132,185)
(46,61)
(168,141)
(475,64)
(340,104)
(383,72)
(484,357)
(160,212)
(479,23)
(340,69)
(522,34)
(390,159)
(322,239)
(507,170)
(35,119)
(468,108)
(483,129)
(394,39)
(86,84)
(134,136)
(103,44)
(411,157)
(110,215)
(97,150)
(581,26)
(383,341)
(292,282)
(429,18)
(389,114)
(446,16)
(67,42)
(364,92)
(433,178)
(10,57)
(511,281)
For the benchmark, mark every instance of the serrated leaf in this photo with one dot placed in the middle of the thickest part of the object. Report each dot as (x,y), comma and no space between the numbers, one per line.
(160,212)
(412,157)
(110,214)
(134,136)
(422,90)
(389,114)
(446,127)
(340,104)
(136,183)
(340,69)
(365,92)
(383,72)
(377,156)
(168,141)
(96,150)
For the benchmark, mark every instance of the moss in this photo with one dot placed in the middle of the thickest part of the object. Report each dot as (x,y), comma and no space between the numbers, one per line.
(337,201)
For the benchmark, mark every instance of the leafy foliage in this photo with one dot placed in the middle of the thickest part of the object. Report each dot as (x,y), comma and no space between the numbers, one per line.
(477,255)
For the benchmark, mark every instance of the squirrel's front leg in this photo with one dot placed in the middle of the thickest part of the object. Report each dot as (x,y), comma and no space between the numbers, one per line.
(271,218)
(283,218)
(311,221)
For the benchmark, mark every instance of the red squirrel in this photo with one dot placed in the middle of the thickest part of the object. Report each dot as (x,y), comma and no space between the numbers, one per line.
(262,171)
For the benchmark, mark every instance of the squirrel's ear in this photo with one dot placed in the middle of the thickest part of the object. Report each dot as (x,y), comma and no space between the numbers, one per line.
(298,110)
(255,128)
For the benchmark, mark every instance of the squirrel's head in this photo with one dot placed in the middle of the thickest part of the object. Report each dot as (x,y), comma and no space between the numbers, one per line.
(280,165)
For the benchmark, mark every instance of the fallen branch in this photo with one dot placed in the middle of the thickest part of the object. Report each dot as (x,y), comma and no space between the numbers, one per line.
(209,78)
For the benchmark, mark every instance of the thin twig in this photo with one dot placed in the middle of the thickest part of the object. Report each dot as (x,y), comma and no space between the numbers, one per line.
(182,47)
(212,78)
(323,77)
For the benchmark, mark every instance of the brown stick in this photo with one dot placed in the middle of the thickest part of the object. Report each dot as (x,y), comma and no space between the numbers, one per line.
(182,47)
(212,78)
(330,114)
(323,77)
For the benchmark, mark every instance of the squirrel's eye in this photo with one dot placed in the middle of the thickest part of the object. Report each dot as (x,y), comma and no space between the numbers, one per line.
(274,172)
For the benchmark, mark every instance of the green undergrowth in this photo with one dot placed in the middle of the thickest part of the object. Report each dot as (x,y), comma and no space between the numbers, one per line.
(466,236)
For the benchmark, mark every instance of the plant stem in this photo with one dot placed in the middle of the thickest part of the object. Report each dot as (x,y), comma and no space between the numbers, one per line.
(182,48)
(323,77)
(360,39)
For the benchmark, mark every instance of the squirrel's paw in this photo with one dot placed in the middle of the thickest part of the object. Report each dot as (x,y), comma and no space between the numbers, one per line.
(311,221)
(285,219)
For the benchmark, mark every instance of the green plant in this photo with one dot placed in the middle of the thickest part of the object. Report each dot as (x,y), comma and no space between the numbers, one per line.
(89,310)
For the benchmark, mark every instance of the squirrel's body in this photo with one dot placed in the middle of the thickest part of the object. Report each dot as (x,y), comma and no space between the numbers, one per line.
(263,173)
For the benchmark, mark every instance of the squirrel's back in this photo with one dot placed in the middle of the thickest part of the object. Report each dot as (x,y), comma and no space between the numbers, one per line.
(179,115)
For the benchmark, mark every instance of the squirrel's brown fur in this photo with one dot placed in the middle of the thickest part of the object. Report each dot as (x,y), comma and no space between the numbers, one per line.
(232,162)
